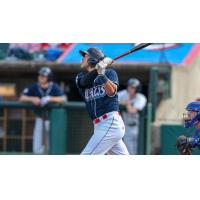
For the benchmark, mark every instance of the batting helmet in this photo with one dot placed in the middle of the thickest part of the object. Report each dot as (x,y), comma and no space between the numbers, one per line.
(46,71)
(195,107)
(133,82)
(95,55)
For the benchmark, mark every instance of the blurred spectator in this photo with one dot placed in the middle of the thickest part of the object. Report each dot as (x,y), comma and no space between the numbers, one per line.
(36,51)
(64,46)
(53,53)
(24,51)
(55,50)
(25,46)
(134,102)
(44,45)
(41,93)
(19,51)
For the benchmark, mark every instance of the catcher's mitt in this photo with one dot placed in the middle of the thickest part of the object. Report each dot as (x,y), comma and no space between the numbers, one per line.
(183,145)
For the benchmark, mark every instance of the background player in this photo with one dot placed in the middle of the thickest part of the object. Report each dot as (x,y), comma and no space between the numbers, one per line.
(98,87)
(134,102)
(40,93)
(191,119)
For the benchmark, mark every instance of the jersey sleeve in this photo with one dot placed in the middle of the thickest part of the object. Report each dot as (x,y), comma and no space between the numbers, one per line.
(141,102)
(77,79)
(112,75)
(121,95)
(57,90)
(28,91)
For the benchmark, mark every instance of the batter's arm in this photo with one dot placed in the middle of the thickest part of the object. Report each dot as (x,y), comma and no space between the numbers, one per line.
(110,88)
(110,79)
(88,78)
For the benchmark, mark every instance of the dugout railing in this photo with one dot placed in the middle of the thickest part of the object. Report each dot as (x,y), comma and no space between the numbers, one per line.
(70,128)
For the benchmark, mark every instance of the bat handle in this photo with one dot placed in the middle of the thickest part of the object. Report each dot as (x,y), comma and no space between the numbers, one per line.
(117,57)
(111,63)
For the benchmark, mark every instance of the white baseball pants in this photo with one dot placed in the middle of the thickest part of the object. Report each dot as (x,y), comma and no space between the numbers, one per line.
(41,128)
(107,137)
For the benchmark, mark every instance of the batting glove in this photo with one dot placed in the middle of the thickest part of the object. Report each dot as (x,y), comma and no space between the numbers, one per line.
(107,61)
(101,66)
(44,100)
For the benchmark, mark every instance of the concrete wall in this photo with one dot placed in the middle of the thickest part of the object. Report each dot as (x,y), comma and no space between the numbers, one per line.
(184,88)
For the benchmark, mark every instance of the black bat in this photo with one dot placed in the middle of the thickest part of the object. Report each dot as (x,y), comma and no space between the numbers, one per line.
(136,48)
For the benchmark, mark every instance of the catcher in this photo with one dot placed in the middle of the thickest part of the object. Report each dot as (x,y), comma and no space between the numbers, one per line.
(191,119)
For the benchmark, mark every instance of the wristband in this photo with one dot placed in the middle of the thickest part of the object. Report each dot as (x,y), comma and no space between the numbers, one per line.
(103,79)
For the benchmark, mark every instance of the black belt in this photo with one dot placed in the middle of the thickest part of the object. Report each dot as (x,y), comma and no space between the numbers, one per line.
(132,124)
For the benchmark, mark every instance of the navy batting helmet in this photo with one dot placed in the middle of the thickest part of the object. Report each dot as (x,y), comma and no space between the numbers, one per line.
(46,71)
(95,55)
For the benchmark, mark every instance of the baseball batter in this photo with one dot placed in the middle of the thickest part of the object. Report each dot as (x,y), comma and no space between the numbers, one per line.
(98,87)
(41,93)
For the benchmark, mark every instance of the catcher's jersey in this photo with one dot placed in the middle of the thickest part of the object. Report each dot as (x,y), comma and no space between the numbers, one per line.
(95,97)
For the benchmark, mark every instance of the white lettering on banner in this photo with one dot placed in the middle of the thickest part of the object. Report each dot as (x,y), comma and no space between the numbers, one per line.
(95,93)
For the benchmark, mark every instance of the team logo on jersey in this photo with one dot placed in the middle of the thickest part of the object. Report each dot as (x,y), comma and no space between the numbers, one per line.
(95,93)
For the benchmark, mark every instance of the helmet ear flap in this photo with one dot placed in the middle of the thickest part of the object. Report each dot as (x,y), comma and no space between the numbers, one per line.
(92,61)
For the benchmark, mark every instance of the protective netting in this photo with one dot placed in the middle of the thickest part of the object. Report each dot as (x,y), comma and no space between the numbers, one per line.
(17,126)
(79,128)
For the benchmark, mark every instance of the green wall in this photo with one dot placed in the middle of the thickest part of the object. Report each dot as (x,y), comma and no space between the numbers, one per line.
(169,133)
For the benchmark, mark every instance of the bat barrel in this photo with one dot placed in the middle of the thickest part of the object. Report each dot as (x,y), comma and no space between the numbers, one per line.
(136,48)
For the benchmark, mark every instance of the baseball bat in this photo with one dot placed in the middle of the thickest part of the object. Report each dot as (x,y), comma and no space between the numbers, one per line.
(136,48)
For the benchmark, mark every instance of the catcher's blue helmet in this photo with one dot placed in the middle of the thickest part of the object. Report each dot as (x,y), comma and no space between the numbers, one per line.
(195,107)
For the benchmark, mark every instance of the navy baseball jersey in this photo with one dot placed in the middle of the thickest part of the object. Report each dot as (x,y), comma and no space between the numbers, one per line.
(95,97)
(35,90)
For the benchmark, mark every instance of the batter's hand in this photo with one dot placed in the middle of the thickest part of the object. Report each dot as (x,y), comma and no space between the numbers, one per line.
(101,66)
(107,61)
